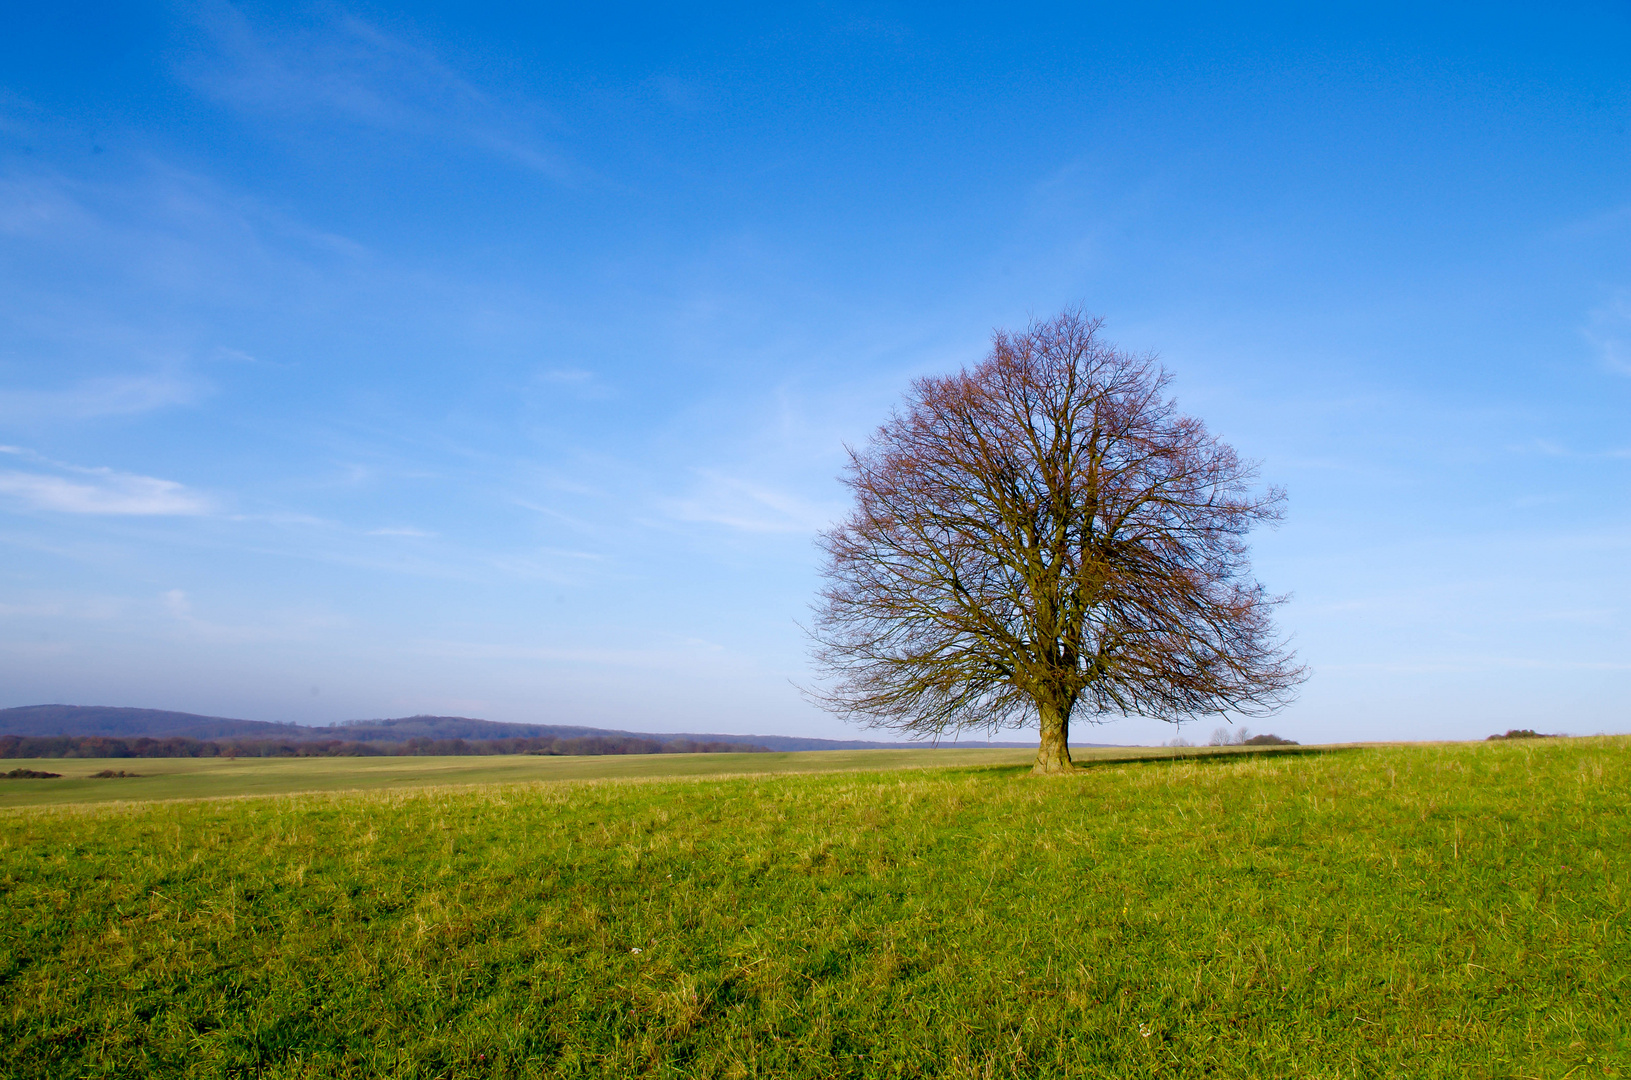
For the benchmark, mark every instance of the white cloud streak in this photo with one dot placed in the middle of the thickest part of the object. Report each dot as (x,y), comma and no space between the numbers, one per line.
(748,507)
(110,493)
(98,491)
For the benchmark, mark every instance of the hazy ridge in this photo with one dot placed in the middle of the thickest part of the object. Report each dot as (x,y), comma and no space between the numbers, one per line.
(105,721)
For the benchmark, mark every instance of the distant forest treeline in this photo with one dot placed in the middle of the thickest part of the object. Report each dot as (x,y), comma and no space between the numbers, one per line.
(101,746)
(119,731)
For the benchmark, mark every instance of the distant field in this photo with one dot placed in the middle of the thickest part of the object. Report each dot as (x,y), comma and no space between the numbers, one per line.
(207,778)
(204,778)
(1422,911)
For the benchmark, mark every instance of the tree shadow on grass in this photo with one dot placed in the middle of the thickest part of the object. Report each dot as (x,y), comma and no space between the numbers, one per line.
(1210,755)
(1199,755)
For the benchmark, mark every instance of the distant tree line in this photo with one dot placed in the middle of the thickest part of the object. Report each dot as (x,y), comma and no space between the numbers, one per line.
(100,746)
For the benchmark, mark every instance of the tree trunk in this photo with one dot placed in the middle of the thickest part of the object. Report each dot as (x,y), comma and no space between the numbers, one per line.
(1053,756)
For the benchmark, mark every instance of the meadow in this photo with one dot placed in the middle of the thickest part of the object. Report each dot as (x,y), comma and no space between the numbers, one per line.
(222,777)
(1423,911)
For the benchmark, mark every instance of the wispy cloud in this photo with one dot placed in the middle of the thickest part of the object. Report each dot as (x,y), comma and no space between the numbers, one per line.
(1476,664)
(35,205)
(566,376)
(577,524)
(401,530)
(110,493)
(553,383)
(748,507)
(177,604)
(351,70)
(1609,330)
(91,607)
(91,398)
(1605,222)
(685,654)
(103,284)
(1554,449)
(73,489)
(559,567)
(279,626)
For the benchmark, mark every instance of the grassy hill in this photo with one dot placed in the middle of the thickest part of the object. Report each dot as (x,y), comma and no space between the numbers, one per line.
(1419,910)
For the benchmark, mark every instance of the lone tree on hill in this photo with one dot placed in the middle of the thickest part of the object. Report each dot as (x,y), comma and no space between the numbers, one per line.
(1041,534)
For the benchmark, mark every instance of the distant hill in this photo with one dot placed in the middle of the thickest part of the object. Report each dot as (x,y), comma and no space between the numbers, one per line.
(464,727)
(138,723)
(124,723)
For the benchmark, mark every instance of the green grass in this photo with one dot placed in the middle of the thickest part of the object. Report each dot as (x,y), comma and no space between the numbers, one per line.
(209,778)
(1396,911)
(213,778)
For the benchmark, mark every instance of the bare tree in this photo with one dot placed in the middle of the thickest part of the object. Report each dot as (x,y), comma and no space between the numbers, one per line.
(1045,534)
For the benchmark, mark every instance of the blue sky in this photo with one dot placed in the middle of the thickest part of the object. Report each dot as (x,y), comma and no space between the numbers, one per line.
(361,361)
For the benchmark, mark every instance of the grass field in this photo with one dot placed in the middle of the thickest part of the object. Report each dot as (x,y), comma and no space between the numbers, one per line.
(207,778)
(210,778)
(1419,911)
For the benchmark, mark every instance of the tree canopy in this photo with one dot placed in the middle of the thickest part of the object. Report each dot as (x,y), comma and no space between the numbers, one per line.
(1042,535)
